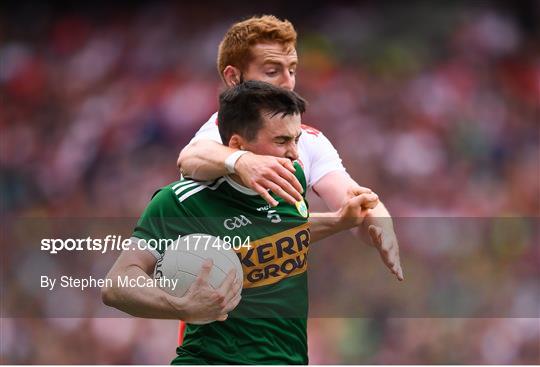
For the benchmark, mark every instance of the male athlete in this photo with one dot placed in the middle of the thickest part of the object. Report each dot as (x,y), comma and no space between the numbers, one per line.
(269,324)
(264,48)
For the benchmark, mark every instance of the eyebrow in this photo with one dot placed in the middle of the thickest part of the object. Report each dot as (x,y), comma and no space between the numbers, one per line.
(288,137)
(275,62)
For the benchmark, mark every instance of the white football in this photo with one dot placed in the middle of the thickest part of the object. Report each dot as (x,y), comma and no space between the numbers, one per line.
(184,258)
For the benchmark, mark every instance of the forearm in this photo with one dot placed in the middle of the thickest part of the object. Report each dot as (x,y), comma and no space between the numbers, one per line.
(204,160)
(323,225)
(147,302)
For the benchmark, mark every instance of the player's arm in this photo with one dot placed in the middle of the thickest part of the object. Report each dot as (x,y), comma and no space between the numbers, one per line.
(141,302)
(377,228)
(204,159)
(350,215)
(201,302)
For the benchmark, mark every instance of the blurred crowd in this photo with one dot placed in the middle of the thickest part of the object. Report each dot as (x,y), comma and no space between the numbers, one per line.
(437,109)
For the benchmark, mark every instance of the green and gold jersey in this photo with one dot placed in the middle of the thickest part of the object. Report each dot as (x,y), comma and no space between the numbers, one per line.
(269,325)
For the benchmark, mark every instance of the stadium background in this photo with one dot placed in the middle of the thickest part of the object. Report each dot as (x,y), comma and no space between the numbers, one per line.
(435,108)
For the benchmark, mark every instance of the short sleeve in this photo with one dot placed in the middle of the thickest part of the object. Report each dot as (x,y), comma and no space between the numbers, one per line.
(154,225)
(208,131)
(323,157)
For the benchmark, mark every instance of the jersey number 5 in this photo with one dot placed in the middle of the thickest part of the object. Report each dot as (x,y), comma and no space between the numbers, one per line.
(273,216)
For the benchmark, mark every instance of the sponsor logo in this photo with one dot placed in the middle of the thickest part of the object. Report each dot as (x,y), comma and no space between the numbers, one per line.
(236,222)
(275,257)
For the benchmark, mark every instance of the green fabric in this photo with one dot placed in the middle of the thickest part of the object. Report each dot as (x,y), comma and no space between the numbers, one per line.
(269,325)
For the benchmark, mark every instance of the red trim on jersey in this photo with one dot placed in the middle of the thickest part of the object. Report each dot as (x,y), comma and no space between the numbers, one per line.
(310,130)
(216,121)
(181,331)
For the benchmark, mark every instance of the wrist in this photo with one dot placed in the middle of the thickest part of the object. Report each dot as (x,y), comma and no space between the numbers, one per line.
(232,160)
(241,162)
(341,222)
(178,305)
(385,222)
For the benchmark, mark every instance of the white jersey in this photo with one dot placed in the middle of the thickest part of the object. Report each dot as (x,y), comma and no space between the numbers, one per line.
(316,154)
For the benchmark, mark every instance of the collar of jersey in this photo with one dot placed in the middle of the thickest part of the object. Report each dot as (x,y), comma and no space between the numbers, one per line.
(235,185)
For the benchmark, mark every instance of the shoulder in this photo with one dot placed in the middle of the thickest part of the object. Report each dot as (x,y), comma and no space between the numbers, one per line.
(310,130)
(212,122)
(314,144)
(209,130)
(180,197)
(186,191)
(313,137)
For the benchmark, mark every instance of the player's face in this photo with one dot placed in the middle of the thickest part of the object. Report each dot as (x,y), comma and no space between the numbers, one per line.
(278,137)
(273,63)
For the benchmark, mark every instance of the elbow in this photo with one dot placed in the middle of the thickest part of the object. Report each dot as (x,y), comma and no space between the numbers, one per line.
(184,157)
(181,159)
(109,294)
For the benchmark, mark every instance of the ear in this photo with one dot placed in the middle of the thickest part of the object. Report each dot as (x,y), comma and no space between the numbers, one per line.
(231,75)
(237,142)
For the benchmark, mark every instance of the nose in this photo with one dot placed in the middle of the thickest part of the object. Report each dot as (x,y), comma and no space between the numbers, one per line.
(288,81)
(292,152)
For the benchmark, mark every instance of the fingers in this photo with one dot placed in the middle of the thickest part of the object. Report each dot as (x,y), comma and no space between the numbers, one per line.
(272,173)
(265,195)
(226,286)
(287,163)
(279,186)
(400,273)
(205,271)
(231,305)
(281,193)
(375,234)
(368,201)
(389,252)
(359,190)
(233,291)
(288,187)
(395,263)
(361,203)
(232,300)
(222,317)
(290,177)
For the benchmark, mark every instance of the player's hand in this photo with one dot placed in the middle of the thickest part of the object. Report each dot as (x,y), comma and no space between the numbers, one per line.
(357,190)
(355,209)
(205,304)
(263,172)
(383,238)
